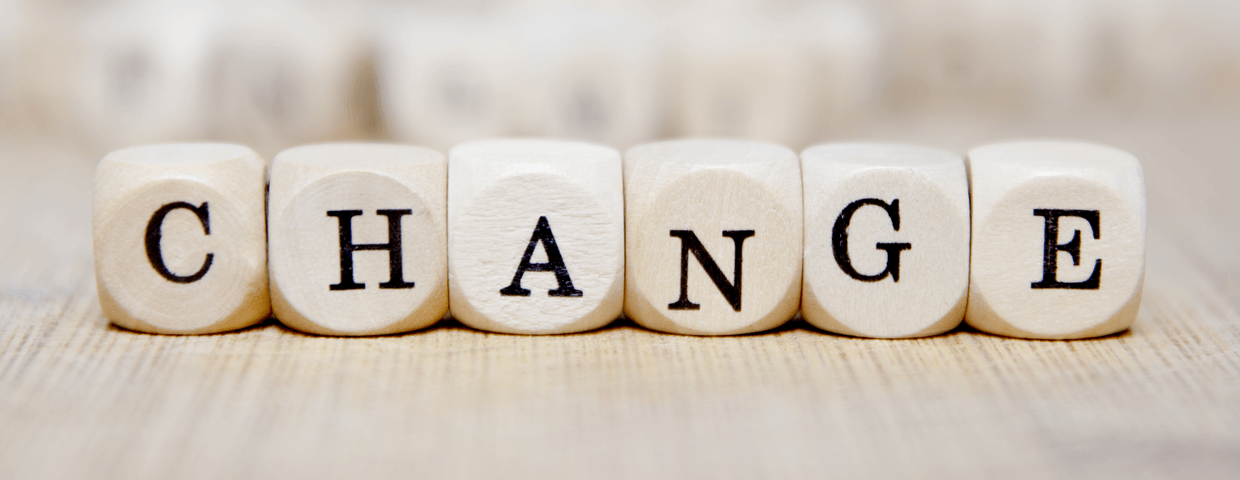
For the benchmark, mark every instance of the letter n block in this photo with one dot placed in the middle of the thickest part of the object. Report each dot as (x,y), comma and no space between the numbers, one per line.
(1058,239)
(536,235)
(358,236)
(178,238)
(713,236)
(886,239)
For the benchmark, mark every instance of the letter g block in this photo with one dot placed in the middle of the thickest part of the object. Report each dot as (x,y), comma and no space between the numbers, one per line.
(178,238)
(886,239)
(1058,239)
(357,236)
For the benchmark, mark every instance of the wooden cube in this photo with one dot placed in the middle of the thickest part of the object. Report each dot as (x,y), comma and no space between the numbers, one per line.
(886,239)
(358,237)
(536,235)
(178,238)
(444,80)
(281,74)
(140,73)
(590,76)
(742,78)
(1058,239)
(713,236)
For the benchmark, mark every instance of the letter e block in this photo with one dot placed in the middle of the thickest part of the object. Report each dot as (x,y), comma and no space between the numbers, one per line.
(713,236)
(886,239)
(536,235)
(178,238)
(1058,239)
(357,237)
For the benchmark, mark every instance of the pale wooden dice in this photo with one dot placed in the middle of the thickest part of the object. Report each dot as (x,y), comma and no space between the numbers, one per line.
(886,239)
(444,80)
(357,237)
(1058,239)
(589,76)
(281,73)
(536,235)
(178,238)
(139,74)
(713,236)
(742,78)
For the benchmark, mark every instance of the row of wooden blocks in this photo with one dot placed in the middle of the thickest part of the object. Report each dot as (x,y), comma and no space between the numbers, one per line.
(1036,239)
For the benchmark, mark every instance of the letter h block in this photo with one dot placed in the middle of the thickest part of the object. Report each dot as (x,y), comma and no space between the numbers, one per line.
(358,237)
(178,238)
(886,239)
(713,236)
(536,235)
(1058,239)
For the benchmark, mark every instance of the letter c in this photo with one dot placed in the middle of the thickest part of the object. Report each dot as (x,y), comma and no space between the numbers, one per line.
(156,256)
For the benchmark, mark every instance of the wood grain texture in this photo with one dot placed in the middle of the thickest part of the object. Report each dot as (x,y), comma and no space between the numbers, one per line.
(81,399)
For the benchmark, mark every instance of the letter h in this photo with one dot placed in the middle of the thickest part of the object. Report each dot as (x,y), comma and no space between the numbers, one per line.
(396,277)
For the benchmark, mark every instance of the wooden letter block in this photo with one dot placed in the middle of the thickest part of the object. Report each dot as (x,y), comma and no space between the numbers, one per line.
(357,237)
(536,235)
(886,239)
(1058,239)
(178,238)
(713,236)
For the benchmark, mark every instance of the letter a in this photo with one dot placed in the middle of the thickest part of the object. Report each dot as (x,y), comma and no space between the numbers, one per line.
(555,263)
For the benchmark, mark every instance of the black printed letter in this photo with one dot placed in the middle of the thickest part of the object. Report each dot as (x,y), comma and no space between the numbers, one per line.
(1051,249)
(555,263)
(396,278)
(839,241)
(155,255)
(731,291)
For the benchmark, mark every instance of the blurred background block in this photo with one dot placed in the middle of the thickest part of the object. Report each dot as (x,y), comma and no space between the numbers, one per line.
(275,73)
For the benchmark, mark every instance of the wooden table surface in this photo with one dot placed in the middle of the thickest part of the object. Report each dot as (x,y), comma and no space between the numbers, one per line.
(82,399)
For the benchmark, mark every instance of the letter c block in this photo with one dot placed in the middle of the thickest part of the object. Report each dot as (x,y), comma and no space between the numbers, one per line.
(536,235)
(178,238)
(713,236)
(886,239)
(1058,239)
(358,238)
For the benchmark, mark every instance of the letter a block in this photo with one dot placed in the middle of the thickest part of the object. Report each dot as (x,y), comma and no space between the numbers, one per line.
(357,236)
(1058,239)
(178,238)
(886,239)
(713,236)
(536,235)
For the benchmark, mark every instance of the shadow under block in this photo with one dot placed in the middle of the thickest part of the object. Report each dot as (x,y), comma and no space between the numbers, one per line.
(178,238)
(357,237)
(713,236)
(886,239)
(1058,239)
(536,235)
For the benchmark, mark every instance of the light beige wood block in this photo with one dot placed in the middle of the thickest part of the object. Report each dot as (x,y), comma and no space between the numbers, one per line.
(357,237)
(713,236)
(280,73)
(742,77)
(591,76)
(178,238)
(139,74)
(886,239)
(444,80)
(1058,239)
(536,235)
